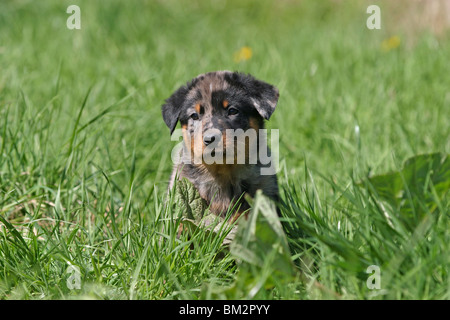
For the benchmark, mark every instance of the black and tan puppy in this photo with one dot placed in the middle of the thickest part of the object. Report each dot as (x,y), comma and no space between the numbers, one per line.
(221,115)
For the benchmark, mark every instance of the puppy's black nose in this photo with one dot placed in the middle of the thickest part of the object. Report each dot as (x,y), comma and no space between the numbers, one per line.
(210,137)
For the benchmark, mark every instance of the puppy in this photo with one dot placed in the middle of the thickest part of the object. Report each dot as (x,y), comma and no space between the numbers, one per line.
(222,116)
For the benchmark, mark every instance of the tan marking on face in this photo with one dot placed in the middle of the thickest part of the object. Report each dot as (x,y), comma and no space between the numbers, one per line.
(250,148)
(225,103)
(197,107)
(253,123)
(197,146)
(186,138)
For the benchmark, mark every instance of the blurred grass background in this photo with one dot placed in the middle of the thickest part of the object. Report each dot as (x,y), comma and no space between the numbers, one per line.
(331,71)
(353,101)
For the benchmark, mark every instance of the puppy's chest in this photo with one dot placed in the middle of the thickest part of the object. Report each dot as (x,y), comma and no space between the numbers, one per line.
(221,190)
(224,191)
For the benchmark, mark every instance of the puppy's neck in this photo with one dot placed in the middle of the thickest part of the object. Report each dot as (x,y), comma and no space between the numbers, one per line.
(223,170)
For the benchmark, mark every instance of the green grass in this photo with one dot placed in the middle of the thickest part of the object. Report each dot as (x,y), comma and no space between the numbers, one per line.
(85,154)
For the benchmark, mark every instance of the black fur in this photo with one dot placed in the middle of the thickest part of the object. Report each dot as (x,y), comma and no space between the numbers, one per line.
(265,95)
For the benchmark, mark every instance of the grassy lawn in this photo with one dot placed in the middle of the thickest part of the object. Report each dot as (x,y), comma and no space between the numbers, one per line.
(85,156)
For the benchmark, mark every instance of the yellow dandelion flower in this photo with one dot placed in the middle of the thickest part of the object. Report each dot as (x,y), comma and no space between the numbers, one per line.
(243,54)
(390,44)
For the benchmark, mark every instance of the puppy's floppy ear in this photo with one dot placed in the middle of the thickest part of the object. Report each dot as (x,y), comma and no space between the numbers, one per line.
(172,108)
(264,96)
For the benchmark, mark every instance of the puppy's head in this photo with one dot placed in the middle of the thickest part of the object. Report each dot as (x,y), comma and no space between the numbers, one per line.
(212,103)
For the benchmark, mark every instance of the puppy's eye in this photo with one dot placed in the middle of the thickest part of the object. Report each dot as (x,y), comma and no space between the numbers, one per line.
(232,111)
(194,116)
